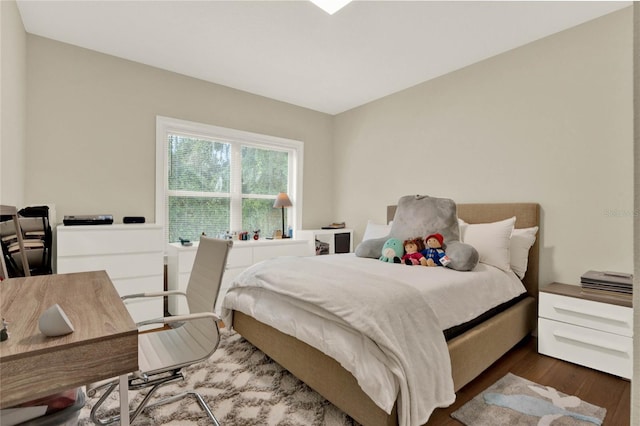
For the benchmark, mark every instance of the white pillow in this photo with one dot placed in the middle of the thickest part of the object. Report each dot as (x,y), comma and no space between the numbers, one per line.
(376,230)
(492,240)
(521,241)
(462,227)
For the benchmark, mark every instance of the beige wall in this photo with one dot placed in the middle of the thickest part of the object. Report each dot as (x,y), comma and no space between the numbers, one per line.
(635,382)
(550,122)
(13,84)
(92,117)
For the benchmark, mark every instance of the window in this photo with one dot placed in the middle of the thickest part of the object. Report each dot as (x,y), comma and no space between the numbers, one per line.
(213,180)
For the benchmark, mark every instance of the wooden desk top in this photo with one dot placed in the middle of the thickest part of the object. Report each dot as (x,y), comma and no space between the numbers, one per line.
(103,345)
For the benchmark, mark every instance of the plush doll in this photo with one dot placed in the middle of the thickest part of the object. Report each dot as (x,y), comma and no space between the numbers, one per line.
(412,252)
(425,215)
(434,251)
(392,251)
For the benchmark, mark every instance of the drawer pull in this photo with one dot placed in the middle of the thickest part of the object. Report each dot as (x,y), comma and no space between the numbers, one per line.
(591,342)
(574,310)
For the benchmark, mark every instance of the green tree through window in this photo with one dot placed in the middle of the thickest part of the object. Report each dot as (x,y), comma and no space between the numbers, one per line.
(218,184)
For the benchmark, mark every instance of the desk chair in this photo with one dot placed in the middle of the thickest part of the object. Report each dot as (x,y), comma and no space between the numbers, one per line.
(193,338)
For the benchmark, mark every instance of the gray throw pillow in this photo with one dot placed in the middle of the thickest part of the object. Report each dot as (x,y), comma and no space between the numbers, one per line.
(419,216)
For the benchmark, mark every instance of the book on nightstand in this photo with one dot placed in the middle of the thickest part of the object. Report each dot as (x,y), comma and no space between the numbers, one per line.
(335,225)
(606,283)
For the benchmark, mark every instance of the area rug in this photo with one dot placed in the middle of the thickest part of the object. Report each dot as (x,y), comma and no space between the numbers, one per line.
(243,387)
(513,400)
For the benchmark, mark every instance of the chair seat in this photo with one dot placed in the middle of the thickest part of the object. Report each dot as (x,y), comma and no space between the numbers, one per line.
(176,347)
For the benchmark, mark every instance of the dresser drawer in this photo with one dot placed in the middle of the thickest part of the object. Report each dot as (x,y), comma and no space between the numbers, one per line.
(186,259)
(290,248)
(240,257)
(596,349)
(599,316)
(116,265)
(106,239)
(142,308)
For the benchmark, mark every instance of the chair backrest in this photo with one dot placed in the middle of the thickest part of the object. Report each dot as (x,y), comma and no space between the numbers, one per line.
(206,275)
(197,339)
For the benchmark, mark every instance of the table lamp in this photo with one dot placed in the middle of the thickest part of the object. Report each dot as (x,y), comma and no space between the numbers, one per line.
(282,201)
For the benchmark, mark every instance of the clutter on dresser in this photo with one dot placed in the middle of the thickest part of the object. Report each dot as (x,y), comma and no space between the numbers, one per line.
(618,283)
(94,219)
(335,225)
(133,219)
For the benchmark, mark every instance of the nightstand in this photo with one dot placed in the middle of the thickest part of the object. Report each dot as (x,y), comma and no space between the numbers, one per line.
(338,240)
(585,328)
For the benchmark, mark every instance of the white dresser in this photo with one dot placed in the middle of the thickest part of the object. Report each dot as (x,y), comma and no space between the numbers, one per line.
(243,254)
(132,255)
(593,331)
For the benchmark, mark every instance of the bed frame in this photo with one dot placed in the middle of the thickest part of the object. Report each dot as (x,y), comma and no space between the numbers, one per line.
(471,352)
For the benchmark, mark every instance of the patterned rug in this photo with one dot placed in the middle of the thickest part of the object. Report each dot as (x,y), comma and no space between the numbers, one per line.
(513,400)
(243,387)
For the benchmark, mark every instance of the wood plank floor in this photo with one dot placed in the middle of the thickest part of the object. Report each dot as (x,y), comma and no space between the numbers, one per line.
(605,390)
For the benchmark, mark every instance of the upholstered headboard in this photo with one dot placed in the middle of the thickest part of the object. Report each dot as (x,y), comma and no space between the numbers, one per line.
(527,215)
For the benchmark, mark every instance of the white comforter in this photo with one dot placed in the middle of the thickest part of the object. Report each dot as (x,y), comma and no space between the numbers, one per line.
(383,322)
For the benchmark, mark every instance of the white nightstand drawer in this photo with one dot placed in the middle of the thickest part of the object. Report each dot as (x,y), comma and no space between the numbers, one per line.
(600,316)
(602,351)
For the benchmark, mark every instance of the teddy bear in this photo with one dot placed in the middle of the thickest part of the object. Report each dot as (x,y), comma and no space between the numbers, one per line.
(392,251)
(434,251)
(413,255)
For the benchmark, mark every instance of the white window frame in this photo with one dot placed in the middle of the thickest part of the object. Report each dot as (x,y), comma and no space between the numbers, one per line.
(167,125)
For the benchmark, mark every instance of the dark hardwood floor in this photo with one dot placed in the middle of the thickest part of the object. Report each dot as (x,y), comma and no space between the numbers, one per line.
(605,390)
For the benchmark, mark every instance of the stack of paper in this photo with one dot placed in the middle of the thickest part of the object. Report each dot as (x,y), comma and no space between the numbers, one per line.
(618,282)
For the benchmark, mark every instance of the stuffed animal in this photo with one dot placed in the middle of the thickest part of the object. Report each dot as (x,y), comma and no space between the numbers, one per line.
(392,251)
(434,251)
(424,215)
(412,255)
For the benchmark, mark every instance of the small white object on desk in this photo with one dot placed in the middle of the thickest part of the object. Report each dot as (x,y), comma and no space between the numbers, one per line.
(54,322)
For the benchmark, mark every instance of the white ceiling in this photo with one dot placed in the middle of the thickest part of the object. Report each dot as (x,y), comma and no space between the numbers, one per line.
(295,52)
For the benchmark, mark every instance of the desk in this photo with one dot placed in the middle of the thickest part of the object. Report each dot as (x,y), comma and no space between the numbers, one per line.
(103,345)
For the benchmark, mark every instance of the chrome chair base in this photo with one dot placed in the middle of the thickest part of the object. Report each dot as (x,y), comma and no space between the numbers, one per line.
(139,383)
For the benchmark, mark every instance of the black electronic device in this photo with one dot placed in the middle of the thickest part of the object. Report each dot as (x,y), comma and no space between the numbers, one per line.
(133,219)
(98,219)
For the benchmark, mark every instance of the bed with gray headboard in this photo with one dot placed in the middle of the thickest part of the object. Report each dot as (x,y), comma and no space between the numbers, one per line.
(470,352)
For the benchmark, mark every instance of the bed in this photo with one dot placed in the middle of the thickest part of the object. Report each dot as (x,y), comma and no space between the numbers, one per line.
(470,353)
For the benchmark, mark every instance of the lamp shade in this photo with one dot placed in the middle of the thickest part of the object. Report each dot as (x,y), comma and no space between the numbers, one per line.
(282,200)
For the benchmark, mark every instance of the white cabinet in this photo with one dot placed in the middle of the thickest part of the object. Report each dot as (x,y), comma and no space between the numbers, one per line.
(594,333)
(335,240)
(132,255)
(243,254)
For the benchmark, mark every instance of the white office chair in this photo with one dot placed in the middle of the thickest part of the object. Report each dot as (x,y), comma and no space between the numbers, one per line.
(162,354)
